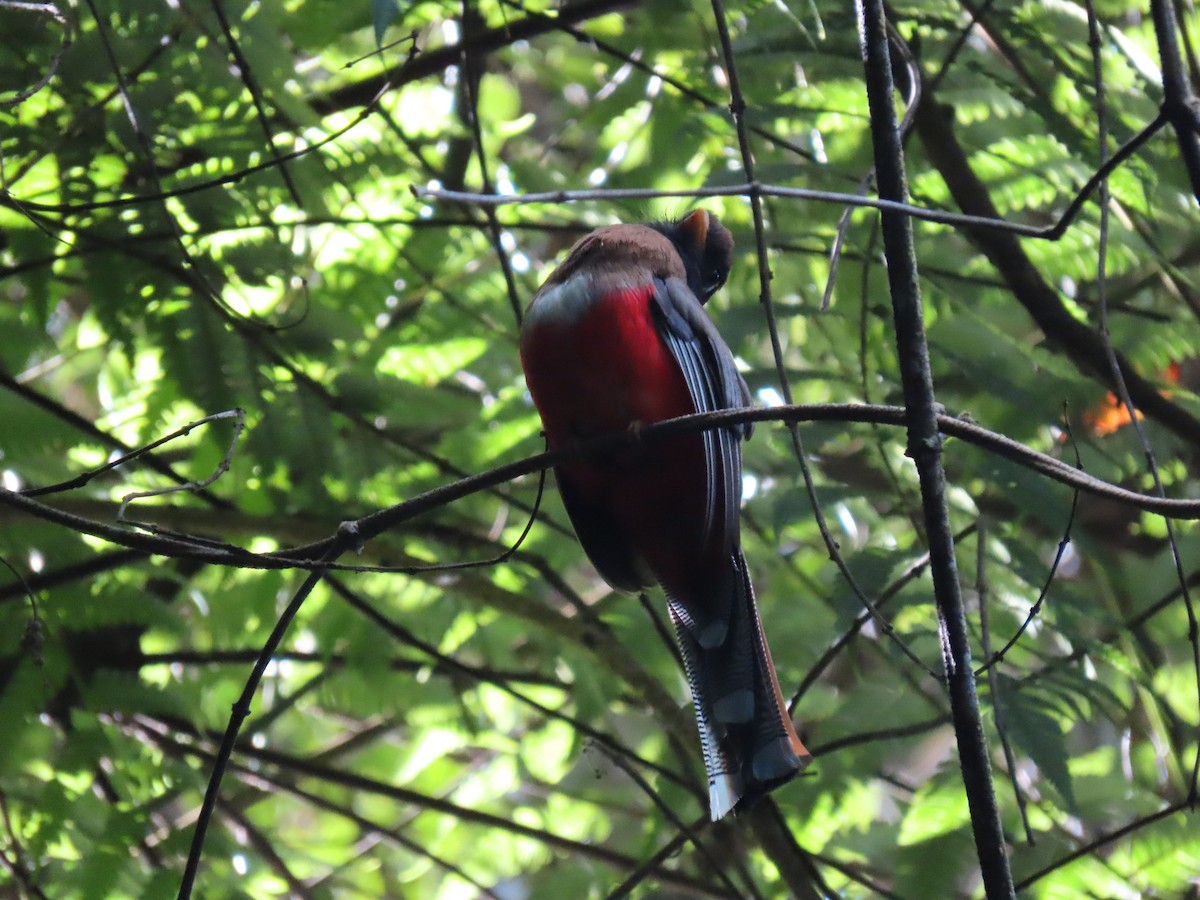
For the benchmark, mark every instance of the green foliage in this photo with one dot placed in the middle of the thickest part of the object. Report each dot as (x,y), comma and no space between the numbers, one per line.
(433,732)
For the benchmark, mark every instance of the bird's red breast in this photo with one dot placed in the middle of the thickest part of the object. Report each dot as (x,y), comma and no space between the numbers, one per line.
(595,363)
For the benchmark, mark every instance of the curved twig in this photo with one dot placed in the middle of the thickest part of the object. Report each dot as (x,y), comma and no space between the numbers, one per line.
(374,524)
(45,9)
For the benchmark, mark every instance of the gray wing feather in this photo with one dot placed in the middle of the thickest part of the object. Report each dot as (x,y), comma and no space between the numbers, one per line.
(714,382)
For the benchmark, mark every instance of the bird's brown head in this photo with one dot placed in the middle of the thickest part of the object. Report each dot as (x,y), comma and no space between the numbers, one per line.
(706,248)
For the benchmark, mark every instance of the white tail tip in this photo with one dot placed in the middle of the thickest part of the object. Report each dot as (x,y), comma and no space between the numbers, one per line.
(724,791)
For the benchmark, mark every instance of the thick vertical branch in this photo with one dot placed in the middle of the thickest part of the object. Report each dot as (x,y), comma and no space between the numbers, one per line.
(924,446)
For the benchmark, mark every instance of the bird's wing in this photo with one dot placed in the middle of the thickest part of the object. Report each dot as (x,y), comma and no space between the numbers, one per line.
(714,383)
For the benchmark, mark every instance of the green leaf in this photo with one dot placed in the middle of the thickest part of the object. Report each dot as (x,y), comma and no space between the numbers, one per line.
(383,12)
(1039,735)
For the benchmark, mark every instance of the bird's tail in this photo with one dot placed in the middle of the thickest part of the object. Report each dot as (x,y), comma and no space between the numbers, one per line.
(750,745)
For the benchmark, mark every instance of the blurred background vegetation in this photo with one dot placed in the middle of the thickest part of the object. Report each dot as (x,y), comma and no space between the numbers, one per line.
(208,206)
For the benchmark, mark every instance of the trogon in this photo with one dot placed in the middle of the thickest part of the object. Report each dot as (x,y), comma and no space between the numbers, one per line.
(615,339)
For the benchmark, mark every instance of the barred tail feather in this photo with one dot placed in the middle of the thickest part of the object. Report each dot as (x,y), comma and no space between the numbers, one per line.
(724,778)
(749,743)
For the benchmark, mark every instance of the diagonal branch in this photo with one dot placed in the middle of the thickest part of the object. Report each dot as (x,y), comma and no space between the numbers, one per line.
(376,523)
(1081,343)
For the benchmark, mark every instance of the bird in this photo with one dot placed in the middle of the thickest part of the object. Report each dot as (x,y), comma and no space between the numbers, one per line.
(616,339)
